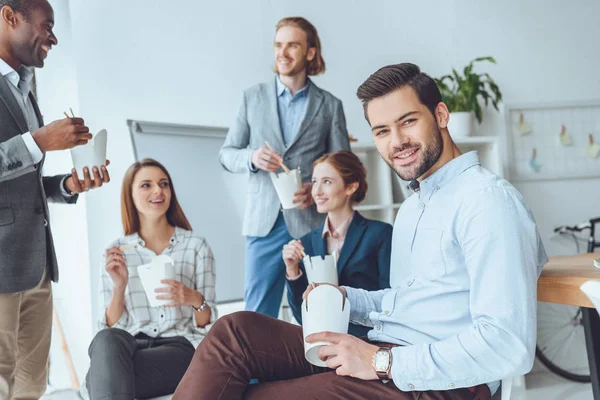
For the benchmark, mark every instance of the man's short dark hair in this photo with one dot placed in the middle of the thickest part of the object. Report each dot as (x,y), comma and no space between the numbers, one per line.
(396,76)
(23,7)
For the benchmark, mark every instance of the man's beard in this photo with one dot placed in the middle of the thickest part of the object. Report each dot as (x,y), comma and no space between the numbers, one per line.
(430,154)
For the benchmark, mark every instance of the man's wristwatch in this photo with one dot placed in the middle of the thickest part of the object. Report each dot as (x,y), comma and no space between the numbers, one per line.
(382,363)
(202,306)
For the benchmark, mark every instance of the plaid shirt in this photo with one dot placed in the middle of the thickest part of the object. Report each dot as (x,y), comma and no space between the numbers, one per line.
(194,267)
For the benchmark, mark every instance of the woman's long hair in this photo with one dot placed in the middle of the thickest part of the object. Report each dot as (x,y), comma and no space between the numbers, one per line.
(129,213)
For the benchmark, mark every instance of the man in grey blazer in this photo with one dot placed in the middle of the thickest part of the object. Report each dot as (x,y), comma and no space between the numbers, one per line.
(27,258)
(301,122)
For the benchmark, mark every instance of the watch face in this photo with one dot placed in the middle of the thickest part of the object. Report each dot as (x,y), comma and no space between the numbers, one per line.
(382,360)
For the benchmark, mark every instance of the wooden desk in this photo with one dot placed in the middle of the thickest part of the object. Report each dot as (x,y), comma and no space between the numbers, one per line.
(562,277)
(559,283)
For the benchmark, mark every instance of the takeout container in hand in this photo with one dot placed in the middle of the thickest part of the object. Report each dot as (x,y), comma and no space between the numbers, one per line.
(321,270)
(286,184)
(324,310)
(161,267)
(92,154)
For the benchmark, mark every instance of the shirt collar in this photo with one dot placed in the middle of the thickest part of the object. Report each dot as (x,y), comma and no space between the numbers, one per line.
(178,234)
(341,230)
(446,173)
(25,74)
(281,88)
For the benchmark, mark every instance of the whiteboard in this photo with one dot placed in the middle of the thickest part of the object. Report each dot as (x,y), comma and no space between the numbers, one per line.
(540,154)
(212,199)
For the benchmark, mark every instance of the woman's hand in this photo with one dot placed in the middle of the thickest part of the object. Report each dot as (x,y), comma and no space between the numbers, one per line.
(179,294)
(292,254)
(116,266)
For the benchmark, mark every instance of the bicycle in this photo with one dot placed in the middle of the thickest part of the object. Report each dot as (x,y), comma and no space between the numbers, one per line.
(560,334)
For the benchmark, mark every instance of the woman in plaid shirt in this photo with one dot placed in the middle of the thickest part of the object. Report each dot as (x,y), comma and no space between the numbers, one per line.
(143,351)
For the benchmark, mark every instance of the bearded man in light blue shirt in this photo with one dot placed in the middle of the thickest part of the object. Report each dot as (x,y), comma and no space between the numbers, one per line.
(461,312)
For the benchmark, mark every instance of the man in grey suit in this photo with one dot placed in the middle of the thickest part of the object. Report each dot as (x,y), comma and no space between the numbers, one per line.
(27,258)
(301,122)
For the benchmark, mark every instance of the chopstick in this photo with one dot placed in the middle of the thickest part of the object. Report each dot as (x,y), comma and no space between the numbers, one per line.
(72,113)
(286,169)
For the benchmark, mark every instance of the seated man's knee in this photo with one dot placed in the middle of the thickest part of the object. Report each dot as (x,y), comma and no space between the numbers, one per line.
(235,320)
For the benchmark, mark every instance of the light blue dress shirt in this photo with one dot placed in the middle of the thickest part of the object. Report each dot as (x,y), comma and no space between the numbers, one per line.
(466,256)
(292,109)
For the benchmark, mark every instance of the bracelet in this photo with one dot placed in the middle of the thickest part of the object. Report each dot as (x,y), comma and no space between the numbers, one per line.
(202,306)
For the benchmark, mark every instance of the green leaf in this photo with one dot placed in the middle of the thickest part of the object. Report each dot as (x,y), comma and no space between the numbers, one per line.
(463,92)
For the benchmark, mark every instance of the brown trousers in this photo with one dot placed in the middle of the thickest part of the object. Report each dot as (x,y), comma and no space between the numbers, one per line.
(247,345)
(25,332)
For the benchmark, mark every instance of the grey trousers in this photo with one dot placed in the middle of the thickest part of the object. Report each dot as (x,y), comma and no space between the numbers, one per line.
(124,367)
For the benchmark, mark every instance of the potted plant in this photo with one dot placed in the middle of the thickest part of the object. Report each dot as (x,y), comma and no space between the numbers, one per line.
(462,93)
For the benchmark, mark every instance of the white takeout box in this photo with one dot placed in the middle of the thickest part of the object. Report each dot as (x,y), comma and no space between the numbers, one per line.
(286,185)
(319,270)
(323,310)
(92,154)
(161,267)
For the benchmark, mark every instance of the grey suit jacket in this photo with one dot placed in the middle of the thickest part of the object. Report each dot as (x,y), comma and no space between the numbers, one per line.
(26,245)
(322,130)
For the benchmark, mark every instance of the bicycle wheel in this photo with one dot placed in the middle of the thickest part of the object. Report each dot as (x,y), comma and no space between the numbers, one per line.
(561,341)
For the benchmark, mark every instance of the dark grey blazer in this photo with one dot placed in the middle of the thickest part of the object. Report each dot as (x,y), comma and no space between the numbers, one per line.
(322,130)
(26,245)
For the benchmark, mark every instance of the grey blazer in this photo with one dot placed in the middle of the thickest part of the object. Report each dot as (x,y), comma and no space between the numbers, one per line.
(322,130)
(26,245)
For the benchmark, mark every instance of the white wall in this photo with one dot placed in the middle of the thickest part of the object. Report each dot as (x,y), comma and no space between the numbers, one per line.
(188,61)
(57,91)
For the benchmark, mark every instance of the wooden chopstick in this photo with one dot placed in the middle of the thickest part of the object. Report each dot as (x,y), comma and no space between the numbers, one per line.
(66,115)
(72,113)
(286,169)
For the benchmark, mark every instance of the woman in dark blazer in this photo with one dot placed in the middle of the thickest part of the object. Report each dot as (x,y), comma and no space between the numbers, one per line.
(362,245)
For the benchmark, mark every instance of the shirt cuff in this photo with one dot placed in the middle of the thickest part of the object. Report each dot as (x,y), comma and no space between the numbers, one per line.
(34,150)
(359,312)
(63,191)
(294,278)
(251,166)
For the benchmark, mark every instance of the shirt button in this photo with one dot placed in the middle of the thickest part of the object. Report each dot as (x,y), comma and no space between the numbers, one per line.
(422,205)
(162,316)
(154,330)
(451,386)
(386,312)
(378,327)
(411,386)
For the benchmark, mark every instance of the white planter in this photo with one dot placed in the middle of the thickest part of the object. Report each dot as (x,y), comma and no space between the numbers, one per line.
(460,124)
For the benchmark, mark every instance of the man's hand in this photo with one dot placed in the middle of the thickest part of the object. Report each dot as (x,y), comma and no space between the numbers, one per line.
(78,186)
(266,159)
(180,294)
(304,196)
(348,355)
(62,134)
